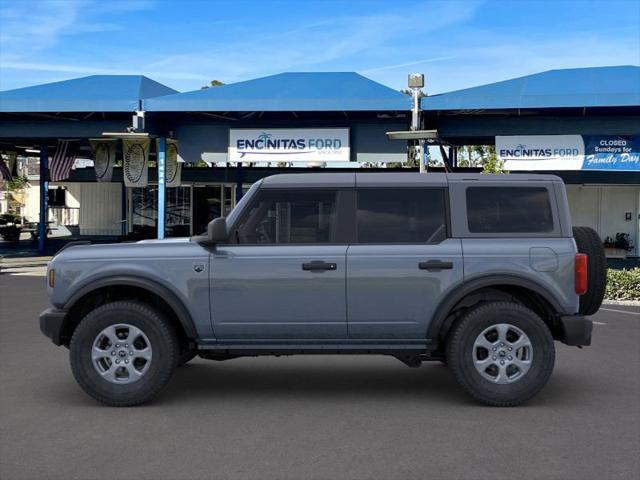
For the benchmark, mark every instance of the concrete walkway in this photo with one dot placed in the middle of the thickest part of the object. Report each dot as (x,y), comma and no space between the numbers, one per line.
(11,265)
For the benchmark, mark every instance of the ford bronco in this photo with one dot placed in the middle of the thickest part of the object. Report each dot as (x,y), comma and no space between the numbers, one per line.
(481,272)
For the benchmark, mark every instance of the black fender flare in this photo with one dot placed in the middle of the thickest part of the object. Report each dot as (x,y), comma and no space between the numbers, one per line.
(178,307)
(460,291)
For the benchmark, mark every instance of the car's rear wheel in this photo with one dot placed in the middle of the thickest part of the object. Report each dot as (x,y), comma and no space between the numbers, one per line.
(588,242)
(123,353)
(502,353)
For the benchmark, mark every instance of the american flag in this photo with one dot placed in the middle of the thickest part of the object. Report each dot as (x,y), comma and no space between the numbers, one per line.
(5,173)
(62,161)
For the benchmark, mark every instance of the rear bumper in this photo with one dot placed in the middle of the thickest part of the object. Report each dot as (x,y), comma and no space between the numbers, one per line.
(52,323)
(575,330)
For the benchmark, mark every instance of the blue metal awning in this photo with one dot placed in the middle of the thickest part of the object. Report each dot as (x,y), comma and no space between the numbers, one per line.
(96,93)
(577,87)
(289,92)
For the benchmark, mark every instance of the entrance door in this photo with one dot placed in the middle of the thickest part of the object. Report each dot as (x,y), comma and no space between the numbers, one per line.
(209,202)
(284,277)
(402,262)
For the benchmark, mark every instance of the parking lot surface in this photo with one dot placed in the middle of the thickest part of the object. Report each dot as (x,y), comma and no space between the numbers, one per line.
(315,417)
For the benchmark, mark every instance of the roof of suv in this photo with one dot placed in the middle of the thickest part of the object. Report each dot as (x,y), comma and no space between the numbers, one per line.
(378,179)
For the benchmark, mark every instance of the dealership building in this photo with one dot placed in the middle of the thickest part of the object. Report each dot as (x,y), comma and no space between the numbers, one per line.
(210,145)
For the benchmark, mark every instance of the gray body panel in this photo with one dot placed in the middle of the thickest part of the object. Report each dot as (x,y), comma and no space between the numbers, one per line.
(263,292)
(388,296)
(168,263)
(546,262)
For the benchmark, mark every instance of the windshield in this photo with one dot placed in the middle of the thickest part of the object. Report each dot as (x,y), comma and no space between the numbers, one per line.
(240,205)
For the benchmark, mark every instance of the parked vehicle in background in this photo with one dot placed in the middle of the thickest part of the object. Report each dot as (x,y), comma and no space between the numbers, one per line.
(482,272)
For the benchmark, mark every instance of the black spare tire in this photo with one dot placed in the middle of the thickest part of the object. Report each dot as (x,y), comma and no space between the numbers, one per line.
(588,242)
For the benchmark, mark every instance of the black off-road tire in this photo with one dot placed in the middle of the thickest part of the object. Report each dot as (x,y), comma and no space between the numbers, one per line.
(459,351)
(163,342)
(588,242)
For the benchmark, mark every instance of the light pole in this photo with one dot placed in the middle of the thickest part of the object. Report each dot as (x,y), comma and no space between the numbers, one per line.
(416,83)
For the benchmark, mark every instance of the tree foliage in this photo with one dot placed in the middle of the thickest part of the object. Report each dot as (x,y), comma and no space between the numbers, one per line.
(213,83)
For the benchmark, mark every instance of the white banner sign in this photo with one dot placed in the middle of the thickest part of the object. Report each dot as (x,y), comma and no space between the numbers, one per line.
(541,152)
(104,157)
(136,162)
(289,145)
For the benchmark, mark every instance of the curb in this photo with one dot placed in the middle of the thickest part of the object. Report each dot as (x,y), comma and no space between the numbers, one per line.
(630,303)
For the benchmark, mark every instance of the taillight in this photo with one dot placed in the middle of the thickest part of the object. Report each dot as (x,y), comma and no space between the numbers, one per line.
(581,273)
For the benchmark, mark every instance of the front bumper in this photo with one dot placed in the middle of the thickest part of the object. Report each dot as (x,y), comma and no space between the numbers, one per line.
(575,330)
(52,324)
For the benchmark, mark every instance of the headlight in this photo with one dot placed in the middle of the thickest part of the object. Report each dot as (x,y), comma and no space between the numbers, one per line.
(52,277)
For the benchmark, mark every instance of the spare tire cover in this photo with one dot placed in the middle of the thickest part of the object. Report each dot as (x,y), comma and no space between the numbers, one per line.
(588,242)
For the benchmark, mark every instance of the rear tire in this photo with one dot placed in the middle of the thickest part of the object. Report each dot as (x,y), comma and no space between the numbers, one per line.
(137,338)
(501,353)
(588,242)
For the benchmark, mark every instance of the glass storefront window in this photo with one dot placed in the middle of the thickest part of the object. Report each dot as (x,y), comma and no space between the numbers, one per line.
(178,215)
(144,212)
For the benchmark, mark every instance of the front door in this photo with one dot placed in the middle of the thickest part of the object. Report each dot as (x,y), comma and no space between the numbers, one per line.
(401,264)
(284,275)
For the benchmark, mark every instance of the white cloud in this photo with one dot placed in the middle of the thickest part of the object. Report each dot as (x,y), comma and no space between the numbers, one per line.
(408,64)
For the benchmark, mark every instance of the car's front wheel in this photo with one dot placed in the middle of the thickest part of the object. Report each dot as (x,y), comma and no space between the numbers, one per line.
(123,353)
(502,353)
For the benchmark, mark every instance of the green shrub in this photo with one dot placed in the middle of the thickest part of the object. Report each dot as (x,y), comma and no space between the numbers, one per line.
(623,284)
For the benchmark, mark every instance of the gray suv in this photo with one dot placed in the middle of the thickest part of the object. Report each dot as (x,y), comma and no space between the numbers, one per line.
(481,272)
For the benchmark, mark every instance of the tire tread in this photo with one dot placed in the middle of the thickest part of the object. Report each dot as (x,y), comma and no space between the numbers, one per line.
(165,330)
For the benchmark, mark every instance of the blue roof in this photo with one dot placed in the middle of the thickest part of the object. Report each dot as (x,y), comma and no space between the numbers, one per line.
(96,93)
(299,92)
(576,87)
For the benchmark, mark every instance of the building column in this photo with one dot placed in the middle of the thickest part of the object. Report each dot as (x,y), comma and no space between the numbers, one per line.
(162,155)
(239,181)
(44,199)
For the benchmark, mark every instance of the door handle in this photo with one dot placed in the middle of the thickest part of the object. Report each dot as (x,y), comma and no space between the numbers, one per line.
(319,266)
(435,265)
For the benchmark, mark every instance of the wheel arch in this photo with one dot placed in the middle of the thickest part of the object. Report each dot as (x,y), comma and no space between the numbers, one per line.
(527,291)
(127,286)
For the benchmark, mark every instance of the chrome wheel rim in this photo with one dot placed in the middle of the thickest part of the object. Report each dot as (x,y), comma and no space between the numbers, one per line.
(121,353)
(502,353)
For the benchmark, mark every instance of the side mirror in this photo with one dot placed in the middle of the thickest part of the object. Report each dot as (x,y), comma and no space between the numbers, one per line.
(217,230)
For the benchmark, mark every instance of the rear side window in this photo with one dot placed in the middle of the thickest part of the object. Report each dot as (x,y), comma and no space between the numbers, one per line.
(408,215)
(509,210)
(289,216)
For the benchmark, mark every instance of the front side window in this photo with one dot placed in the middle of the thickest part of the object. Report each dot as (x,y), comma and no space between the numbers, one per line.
(289,217)
(509,210)
(401,215)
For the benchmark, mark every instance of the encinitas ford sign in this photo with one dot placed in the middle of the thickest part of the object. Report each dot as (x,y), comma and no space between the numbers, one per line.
(569,152)
(289,145)
(541,152)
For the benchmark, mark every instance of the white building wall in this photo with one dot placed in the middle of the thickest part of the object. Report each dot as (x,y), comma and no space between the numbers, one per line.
(31,209)
(604,209)
(100,208)
(73,195)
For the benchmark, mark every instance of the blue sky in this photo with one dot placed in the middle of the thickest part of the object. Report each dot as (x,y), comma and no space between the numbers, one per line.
(184,44)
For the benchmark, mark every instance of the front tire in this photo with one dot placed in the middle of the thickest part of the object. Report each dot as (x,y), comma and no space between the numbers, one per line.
(501,353)
(123,353)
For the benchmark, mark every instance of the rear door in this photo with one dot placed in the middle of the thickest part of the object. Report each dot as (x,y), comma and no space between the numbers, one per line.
(401,263)
(284,277)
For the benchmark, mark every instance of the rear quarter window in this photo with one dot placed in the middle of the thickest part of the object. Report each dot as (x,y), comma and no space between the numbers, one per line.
(509,210)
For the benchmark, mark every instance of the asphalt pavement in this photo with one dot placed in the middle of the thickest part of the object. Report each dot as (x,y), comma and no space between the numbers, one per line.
(320,417)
